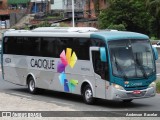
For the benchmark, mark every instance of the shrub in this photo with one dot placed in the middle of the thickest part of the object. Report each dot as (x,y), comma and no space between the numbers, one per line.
(158,87)
(120,27)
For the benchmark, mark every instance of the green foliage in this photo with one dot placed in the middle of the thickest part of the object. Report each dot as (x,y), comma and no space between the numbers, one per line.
(26,28)
(64,25)
(44,24)
(158,87)
(15,28)
(154,8)
(119,27)
(153,38)
(132,14)
(53,17)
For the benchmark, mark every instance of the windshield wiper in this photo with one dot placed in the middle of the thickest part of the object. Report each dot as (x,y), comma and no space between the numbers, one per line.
(140,66)
(119,67)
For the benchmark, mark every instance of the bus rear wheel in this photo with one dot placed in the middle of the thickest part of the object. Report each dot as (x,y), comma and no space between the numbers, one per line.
(31,86)
(88,95)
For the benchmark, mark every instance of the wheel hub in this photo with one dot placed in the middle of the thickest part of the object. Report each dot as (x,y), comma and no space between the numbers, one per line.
(32,85)
(88,94)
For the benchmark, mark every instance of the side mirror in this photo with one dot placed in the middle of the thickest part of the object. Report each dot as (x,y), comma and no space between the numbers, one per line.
(155,52)
(103,54)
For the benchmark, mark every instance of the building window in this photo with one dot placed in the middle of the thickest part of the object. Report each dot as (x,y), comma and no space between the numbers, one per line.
(52,1)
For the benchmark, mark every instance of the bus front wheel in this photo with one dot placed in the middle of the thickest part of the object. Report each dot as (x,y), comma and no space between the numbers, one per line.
(88,95)
(31,86)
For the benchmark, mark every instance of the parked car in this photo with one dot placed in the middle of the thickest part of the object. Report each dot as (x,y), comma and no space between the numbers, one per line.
(157,44)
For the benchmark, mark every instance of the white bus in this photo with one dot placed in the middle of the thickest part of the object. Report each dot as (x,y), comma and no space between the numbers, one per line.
(113,65)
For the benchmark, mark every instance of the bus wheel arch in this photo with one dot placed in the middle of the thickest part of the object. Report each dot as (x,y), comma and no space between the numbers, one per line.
(87,93)
(31,84)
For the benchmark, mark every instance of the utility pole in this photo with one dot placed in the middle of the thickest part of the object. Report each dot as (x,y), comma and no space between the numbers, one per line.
(73,14)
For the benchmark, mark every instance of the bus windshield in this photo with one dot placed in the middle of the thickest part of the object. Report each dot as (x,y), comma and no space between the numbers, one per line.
(131,58)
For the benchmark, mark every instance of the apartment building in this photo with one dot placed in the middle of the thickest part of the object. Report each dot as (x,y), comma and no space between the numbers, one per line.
(78,8)
(36,6)
(57,5)
(65,7)
(86,11)
(3,10)
(92,9)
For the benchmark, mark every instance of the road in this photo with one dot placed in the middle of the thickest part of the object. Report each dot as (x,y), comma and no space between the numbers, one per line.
(75,102)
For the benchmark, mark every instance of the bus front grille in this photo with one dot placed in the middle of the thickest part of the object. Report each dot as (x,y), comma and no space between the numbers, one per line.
(136,88)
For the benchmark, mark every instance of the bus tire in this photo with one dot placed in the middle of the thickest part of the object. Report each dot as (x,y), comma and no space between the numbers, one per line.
(127,101)
(31,86)
(88,95)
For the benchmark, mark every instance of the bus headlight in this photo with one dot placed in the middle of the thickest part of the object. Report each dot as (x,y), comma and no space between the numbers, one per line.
(153,84)
(118,87)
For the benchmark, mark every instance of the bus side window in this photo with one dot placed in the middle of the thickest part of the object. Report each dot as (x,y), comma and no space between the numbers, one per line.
(100,68)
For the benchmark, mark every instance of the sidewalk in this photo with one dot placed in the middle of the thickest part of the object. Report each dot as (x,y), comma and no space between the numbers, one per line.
(16,103)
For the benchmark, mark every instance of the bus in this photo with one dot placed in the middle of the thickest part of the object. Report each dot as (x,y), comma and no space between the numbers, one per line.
(106,64)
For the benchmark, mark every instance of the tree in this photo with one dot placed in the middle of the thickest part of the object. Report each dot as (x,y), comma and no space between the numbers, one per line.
(130,13)
(154,7)
(120,27)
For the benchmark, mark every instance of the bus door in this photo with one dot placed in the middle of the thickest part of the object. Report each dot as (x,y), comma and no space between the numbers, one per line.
(99,72)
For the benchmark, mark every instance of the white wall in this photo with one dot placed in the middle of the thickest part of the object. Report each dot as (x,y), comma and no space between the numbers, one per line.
(58,5)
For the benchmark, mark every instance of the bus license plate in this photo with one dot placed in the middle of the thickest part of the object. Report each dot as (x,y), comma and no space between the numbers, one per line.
(137,92)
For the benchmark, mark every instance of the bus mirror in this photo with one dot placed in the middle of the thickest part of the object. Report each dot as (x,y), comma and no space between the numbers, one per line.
(155,53)
(103,54)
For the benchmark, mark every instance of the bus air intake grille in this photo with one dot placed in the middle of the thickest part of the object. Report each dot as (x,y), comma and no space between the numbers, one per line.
(137,88)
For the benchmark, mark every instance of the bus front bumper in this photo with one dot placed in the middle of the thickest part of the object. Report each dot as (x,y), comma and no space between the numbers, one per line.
(137,94)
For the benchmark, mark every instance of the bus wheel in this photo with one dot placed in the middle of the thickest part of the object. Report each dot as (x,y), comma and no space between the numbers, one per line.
(31,86)
(127,101)
(88,95)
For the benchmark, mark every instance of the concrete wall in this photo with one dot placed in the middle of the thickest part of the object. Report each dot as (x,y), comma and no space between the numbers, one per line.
(15,17)
(91,6)
(87,24)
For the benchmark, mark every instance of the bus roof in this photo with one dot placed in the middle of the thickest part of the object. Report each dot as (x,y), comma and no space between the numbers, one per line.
(118,35)
(88,32)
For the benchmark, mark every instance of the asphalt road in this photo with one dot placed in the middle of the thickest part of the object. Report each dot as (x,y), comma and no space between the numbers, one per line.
(76,102)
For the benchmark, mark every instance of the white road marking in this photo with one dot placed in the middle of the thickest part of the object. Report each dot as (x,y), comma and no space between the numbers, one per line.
(61,103)
(20,95)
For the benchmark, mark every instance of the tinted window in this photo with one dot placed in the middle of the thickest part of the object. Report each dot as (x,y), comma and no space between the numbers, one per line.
(81,47)
(49,47)
(9,45)
(33,46)
(22,46)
